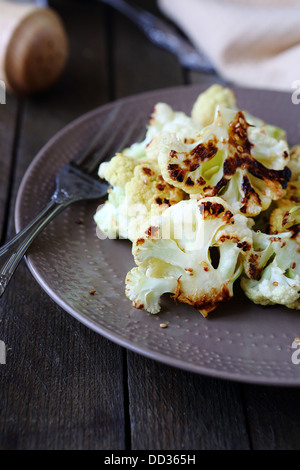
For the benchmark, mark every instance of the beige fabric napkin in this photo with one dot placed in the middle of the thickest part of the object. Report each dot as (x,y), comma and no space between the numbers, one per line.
(254,43)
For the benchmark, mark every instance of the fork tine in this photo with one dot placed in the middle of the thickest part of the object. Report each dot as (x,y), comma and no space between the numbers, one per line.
(113,145)
(104,136)
(133,134)
(93,143)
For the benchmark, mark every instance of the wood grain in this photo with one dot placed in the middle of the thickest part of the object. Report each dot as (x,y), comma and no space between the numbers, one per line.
(273,415)
(8,141)
(174,410)
(168,408)
(63,386)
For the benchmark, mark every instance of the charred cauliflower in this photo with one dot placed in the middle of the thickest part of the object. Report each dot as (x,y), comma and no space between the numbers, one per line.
(175,255)
(294,163)
(284,210)
(272,270)
(138,192)
(204,109)
(163,119)
(230,158)
(206,199)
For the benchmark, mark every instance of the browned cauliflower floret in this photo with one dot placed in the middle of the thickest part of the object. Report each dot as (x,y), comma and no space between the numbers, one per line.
(279,216)
(230,158)
(272,270)
(294,163)
(147,186)
(175,255)
(138,192)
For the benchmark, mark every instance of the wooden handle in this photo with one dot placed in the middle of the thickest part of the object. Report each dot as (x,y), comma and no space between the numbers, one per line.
(33,47)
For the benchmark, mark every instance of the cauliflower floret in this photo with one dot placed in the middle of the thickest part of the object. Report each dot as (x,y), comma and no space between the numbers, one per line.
(147,283)
(204,108)
(175,122)
(274,288)
(163,119)
(229,158)
(294,163)
(273,271)
(176,255)
(118,171)
(282,206)
(161,116)
(138,193)
(135,178)
(286,217)
(148,186)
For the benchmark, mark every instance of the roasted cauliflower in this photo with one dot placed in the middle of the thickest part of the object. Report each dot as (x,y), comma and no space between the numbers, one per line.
(204,108)
(163,119)
(137,188)
(175,255)
(230,158)
(281,213)
(272,270)
(207,199)
(294,163)
(138,192)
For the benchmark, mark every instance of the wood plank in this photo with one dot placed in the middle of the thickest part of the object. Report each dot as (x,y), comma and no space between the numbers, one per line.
(62,385)
(175,410)
(171,409)
(273,415)
(139,65)
(8,124)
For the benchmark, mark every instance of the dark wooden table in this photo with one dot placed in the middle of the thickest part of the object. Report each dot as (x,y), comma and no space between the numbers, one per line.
(64,386)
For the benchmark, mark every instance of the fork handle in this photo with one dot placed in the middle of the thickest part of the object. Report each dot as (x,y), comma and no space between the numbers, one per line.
(13,251)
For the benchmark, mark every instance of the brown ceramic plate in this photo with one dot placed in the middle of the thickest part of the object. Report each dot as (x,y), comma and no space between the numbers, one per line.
(239,341)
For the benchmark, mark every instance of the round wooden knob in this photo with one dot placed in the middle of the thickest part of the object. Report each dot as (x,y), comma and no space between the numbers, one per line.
(34,47)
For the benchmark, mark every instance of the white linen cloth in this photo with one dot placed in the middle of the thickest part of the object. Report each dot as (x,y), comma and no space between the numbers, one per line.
(254,43)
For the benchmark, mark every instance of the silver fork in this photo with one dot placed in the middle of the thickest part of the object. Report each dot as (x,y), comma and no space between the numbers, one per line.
(75,181)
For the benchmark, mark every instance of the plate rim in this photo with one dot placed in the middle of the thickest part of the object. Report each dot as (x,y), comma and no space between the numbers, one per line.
(157,356)
(90,323)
